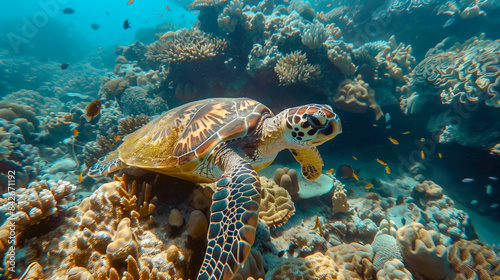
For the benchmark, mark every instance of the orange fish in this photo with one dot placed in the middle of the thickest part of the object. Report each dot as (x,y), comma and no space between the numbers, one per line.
(355,158)
(422,155)
(166,7)
(318,226)
(93,110)
(330,171)
(406,132)
(440,155)
(381,162)
(328,5)
(100,47)
(422,139)
(117,138)
(374,124)
(75,132)
(355,176)
(369,186)
(346,171)
(394,141)
(130,2)
(387,169)
(159,15)
(195,12)
(80,177)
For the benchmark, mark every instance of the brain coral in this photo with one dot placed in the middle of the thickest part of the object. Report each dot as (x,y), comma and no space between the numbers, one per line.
(473,260)
(423,251)
(354,261)
(317,266)
(468,72)
(276,205)
(356,96)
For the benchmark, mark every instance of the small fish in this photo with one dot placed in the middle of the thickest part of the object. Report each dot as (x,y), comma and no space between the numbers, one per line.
(107,13)
(403,221)
(387,169)
(281,253)
(489,189)
(355,176)
(494,205)
(422,155)
(474,202)
(369,186)
(355,158)
(381,162)
(394,141)
(95,26)
(159,15)
(375,125)
(467,180)
(318,226)
(100,47)
(330,171)
(195,12)
(492,178)
(75,132)
(80,177)
(346,171)
(449,22)
(440,155)
(93,110)
(130,2)
(389,126)
(406,132)
(117,138)
(387,117)
(329,5)
(422,139)
(126,24)
(166,7)
(64,65)
(68,11)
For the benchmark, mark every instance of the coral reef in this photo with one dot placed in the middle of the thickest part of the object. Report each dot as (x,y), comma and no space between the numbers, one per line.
(289,180)
(293,68)
(276,205)
(473,260)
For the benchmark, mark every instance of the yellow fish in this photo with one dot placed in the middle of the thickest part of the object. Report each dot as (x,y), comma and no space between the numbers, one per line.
(355,176)
(394,141)
(406,132)
(75,132)
(422,155)
(387,169)
(80,177)
(130,2)
(422,139)
(330,171)
(117,138)
(369,186)
(374,124)
(318,226)
(166,7)
(381,162)
(440,155)
(355,158)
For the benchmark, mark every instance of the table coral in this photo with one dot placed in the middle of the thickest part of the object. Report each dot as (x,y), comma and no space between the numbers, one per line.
(276,205)
(356,96)
(293,68)
(184,46)
(423,251)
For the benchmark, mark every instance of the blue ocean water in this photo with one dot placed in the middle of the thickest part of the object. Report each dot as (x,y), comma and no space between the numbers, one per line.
(375,126)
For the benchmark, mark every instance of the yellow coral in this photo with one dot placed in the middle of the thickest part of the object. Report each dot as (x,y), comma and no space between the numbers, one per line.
(293,68)
(276,205)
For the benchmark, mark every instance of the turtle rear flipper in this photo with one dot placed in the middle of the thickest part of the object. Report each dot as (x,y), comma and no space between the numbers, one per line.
(233,220)
(107,164)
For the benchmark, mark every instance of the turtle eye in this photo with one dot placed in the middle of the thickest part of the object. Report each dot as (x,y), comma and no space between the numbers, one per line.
(316,122)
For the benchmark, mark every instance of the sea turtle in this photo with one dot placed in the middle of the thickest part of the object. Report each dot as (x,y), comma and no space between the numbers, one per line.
(226,140)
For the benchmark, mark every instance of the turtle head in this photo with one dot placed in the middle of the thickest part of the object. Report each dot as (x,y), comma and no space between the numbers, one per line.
(311,125)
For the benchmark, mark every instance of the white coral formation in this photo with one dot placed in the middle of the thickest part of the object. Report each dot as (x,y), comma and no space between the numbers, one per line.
(314,36)
(231,16)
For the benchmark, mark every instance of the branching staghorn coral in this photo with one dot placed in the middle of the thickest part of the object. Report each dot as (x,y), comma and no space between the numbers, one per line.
(293,68)
(185,45)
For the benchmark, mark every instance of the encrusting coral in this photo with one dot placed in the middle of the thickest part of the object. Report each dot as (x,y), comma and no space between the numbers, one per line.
(316,266)
(293,68)
(354,261)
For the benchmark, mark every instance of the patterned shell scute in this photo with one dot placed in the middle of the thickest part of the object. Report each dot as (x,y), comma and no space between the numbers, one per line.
(190,132)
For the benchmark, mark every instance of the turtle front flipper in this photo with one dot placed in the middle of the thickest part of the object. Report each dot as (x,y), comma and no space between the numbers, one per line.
(311,162)
(107,164)
(233,220)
